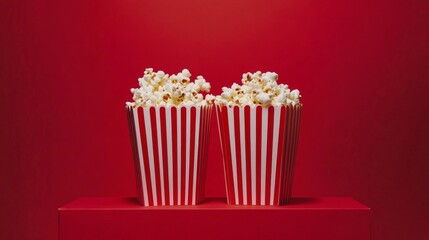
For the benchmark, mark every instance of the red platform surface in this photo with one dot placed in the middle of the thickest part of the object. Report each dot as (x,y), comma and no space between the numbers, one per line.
(303,218)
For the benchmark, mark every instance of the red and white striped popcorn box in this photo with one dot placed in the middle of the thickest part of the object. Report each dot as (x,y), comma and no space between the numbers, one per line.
(170,153)
(259,146)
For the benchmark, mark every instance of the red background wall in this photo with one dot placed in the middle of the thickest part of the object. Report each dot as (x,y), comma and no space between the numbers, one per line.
(66,68)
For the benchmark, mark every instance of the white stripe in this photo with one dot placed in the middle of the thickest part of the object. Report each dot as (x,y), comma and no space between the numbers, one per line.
(197,137)
(150,151)
(233,155)
(243,154)
(275,148)
(264,153)
(188,145)
(179,156)
(170,154)
(219,118)
(140,152)
(161,164)
(253,152)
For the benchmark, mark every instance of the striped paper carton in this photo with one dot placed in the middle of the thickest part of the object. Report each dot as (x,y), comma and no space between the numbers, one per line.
(259,146)
(170,152)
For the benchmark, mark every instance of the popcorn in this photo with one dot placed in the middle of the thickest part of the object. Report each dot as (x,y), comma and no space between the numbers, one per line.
(294,94)
(160,74)
(160,89)
(210,98)
(281,98)
(227,93)
(258,89)
(264,99)
(202,84)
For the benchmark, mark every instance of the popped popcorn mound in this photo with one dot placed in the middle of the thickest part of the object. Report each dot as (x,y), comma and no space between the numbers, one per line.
(258,89)
(160,89)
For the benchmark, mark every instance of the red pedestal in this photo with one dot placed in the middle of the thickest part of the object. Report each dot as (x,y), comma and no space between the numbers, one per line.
(303,218)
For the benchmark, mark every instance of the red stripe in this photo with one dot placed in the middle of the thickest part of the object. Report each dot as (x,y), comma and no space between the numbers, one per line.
(207,111)
(155,146)
(183,151)
(237,122)
(191,154)
(198,158)
(291,150)
(258,153)
(284,157)
(292,147)
(246,122)
(208,128)
(228,148)
(206,150)
(199,154)
(137,161)
(280,159)
(174,150)
(204,154)
(143,139)
(221,129)
(227,153)
(202,149)
(270,126)
(163,124)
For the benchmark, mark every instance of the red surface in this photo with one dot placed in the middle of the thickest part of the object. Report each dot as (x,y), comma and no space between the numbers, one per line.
(66,68)
(304,218)
(130,203)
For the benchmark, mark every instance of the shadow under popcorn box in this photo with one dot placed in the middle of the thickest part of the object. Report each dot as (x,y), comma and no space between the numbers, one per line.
(259,146)
(170,153)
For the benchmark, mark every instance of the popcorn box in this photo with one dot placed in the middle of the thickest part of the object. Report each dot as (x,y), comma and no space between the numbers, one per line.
(259,146)
(170,151)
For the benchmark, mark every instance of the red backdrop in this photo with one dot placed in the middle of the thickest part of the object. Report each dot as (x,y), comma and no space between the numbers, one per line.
(66,68)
